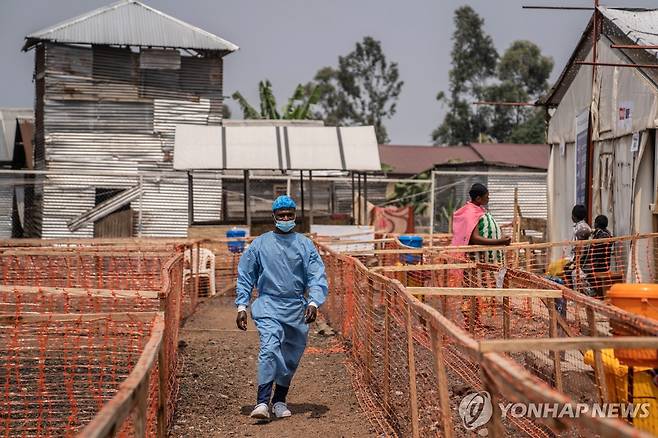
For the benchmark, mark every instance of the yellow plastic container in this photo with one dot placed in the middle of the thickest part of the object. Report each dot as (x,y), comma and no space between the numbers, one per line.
(641,299)
(616,382)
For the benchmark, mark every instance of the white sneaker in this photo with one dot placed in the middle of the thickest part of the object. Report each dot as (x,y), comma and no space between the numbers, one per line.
(261,412)
(280,410)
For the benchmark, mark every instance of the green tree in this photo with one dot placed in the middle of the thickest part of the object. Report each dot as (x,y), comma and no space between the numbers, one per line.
(520,75)
(474,60)
(523,74)
(362,90)
(524,65)
(533,130)
(299,106)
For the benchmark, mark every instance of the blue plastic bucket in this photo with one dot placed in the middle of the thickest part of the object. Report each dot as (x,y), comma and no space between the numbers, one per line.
(414,242)
(236,246)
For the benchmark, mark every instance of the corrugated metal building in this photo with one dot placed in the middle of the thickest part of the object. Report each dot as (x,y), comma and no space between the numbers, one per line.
(110,87)
(503,168)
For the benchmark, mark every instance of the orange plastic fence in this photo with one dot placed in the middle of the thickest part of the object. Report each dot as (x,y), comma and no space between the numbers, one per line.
(415,361)
(98,282)
(59,369)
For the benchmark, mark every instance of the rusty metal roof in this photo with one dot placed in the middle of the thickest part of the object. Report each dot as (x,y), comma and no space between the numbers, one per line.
(534,156)
(130,23)
(411,160)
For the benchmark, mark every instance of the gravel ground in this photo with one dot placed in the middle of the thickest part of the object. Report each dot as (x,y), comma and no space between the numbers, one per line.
(218,383)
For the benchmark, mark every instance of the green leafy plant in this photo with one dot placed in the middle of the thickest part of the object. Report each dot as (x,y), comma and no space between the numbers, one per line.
(410,194)
(298,106)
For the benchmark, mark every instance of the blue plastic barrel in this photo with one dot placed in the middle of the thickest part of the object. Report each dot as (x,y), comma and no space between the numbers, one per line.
(236,246)
(414,242)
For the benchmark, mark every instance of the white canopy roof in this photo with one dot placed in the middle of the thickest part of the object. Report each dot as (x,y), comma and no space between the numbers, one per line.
(276,147)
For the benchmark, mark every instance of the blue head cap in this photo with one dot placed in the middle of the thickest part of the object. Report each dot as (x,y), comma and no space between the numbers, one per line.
(283,201)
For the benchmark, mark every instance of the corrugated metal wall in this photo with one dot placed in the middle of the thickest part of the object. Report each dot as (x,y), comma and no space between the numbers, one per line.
(104,108)
(6,199)
(532,192)
(452,192)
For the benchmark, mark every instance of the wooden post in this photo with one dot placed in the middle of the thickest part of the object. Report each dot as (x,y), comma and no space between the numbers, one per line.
(634,266)
(494,426)
(370,308)
(516,222)
(599,372)
(473,312)
(141,407)
(506,318)
(196,277)
(411,362)
(444,397)
(162,393)
(387,354)
(552,312)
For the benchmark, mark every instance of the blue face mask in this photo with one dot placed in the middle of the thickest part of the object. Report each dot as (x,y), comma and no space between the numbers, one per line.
(285,226)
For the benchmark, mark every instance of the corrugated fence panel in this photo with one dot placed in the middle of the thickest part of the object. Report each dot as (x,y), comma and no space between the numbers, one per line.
(6,199)
(452,192)
(165,208)
(207,198)
(376,194)
(532,196)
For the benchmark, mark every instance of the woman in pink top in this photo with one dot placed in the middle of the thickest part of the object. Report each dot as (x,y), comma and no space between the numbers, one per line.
(473,224)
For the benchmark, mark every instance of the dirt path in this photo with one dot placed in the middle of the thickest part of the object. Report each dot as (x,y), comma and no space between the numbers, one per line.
(218,384)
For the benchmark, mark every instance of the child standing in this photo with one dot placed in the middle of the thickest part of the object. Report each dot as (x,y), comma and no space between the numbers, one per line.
(581,231)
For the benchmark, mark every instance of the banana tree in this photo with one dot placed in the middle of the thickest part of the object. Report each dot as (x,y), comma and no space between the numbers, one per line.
(298,106)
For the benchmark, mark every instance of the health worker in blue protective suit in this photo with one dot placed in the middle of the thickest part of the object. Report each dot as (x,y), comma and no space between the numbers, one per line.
(284,267)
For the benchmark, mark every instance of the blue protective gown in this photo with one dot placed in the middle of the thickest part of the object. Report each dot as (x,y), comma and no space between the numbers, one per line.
(282,267)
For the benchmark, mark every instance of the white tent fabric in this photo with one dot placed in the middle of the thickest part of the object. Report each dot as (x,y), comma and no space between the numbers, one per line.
(276,148)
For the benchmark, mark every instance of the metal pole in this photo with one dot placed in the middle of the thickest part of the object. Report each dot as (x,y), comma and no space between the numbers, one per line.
(590,131)
(365,199)
(332,197)
(432,201)
(190,198)
(353,200)
(288,184)
(141,206)
(310,199)
(359,196)
(247,209)
(301,187)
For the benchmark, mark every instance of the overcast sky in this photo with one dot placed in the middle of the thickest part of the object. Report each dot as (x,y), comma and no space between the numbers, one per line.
(287,41)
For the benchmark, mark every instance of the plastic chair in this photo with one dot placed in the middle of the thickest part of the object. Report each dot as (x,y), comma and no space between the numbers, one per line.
(206,267)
